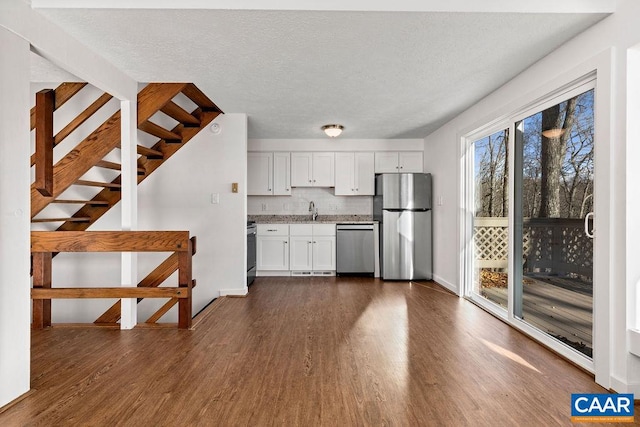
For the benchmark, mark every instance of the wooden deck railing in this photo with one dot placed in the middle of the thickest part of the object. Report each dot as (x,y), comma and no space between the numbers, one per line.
(556,245)
(45,243)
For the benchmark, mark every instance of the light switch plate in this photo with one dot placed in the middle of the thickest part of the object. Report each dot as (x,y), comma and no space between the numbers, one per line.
(215,198)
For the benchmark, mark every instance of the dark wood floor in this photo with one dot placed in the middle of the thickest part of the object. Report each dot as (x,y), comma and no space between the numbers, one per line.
(305,352)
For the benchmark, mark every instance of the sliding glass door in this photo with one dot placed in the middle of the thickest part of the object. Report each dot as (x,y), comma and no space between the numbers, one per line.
(553,286)
(528,241)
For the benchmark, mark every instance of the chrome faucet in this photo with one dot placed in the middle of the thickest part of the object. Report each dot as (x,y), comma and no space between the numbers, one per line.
(313,210)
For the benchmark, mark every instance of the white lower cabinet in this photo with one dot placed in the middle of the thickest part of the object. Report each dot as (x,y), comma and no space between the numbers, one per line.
(272,250)
(313,249)
(324,253)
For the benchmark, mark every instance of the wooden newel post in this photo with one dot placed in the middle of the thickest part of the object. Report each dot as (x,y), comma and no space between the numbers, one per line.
(41,279)
(185,281)
(45,100)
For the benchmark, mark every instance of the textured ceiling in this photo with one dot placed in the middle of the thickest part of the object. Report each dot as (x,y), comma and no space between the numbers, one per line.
(380,74)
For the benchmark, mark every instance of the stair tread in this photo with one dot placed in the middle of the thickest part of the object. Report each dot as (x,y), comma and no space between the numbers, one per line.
(117,166)
(157,130)
(97,184)
(109,165)
(149,152)
(82,202)
(72,219)
(179,114)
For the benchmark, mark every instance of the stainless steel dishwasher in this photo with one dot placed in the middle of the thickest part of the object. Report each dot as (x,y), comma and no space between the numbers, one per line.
(355,249)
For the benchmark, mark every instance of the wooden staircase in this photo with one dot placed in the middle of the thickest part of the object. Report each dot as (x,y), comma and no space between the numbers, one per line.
(90,152)
(52,180)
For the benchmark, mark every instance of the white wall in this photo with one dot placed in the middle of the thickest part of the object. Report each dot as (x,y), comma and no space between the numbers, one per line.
(178,197)
(15,314)
(615,169)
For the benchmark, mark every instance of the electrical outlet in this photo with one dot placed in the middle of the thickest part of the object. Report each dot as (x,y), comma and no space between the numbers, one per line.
(215,198)
(264,207)
(440,201)
(286,207)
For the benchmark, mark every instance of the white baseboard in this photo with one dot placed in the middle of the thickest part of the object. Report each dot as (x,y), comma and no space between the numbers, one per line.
(234,292)
(268,273)
(450,286)
(622,387)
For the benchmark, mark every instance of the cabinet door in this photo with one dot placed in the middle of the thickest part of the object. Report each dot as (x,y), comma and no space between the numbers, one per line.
(324,253)
(282,174)
(273,253)
(344,174)
(386,162)
(323,169)
(364,175)
(411,161)
(259,174)
(301,169)
(300,255)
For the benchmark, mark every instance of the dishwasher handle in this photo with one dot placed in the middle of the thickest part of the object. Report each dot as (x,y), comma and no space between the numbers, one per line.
(350,227)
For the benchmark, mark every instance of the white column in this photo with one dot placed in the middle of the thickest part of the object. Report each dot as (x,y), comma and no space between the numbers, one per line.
(15,315)
(129,181)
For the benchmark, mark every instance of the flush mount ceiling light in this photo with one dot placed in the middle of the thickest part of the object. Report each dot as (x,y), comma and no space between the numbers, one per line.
(553,133)
(332,130)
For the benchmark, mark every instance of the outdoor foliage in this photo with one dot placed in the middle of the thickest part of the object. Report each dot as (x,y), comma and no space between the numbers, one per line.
(557,163)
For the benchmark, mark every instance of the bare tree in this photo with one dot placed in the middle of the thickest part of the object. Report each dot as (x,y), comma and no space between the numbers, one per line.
(556,128)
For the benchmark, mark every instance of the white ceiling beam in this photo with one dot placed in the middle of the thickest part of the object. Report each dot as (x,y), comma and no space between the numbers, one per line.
(490,6)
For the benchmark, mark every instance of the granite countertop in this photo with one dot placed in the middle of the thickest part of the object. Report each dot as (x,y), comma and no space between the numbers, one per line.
(306,219)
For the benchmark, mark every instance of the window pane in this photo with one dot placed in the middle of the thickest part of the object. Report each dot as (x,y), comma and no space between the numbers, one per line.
(554,290)
(490,222)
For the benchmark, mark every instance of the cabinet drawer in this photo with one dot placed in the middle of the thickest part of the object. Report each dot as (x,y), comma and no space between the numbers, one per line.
(273,229)
(324,229)
(301,229)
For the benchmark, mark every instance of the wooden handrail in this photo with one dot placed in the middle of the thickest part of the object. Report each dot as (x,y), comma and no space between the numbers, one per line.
(64,92)
(119,292)
(45,100)
(45,243)
(109,241)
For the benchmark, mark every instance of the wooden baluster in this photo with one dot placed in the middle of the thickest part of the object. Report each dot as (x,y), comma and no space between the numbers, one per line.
(185,281)
(41,279)
(45,100)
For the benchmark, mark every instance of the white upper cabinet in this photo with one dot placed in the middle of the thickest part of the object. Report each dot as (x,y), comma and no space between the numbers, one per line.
(259,174)
(386,162)
(268,174)
(281,174)
(354,174)
(411,161)
(398,162)
(312,169)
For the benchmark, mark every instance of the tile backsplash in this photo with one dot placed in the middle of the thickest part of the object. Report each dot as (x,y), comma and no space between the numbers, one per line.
(298,203)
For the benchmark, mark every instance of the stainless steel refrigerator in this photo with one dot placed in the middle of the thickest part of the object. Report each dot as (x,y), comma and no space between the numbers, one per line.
(402,204)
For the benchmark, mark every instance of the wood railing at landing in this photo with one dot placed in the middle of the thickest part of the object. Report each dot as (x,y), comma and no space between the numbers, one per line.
(548,244)
(45,243)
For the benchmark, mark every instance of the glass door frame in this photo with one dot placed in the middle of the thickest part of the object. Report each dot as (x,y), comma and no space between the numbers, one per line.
(583,84)
(468,200)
